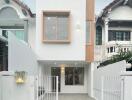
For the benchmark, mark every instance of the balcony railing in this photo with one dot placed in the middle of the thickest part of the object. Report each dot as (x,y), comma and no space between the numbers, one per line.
(104,52)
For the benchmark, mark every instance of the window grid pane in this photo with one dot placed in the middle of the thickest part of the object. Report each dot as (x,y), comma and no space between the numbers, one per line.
(74,76)
(115,35)
(50,28)
(56,26)
(62,28)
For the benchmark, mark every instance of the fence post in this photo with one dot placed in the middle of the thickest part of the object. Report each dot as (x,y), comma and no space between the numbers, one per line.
(102,88)
(37,86)
(57,87)
(122,88)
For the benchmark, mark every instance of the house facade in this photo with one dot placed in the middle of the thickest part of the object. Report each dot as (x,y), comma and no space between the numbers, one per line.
(65,53)
(60,33)
(114,30)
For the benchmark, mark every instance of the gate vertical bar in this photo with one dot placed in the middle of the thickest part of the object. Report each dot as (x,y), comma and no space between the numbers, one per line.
(57,87)
(102,88)
(37,87)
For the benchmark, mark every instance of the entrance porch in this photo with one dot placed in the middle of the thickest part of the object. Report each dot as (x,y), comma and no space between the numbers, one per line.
(74,77)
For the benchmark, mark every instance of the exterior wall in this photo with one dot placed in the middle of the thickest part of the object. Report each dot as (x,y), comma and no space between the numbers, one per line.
(24,59)
(46,71)
(121,13)
(90,79)
(32,33)
(15,6)
(9,90)
(72,51)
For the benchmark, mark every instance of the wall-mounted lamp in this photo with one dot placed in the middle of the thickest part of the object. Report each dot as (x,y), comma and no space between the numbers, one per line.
(78,27)
(62,68)
(20,77)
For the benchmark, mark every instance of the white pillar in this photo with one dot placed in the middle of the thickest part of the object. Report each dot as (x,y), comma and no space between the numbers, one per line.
(106,27)
(26,30)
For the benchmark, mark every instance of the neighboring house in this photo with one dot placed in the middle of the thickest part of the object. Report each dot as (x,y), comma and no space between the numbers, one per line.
(17,18)
(61,34)
(114,29)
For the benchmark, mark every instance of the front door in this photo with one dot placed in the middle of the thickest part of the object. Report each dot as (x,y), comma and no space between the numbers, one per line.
(56,71)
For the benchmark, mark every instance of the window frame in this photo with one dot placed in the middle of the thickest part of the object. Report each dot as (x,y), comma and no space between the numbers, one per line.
(117,37)
(4,29)
(44,40)
(99,34)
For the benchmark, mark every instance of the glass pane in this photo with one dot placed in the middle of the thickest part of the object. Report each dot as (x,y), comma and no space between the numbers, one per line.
(19,34)
(127,36)
(78,76)
(98,35)
(50,28)
(62,29)
(74,75)
(5,33)
(69,76)
(115,35)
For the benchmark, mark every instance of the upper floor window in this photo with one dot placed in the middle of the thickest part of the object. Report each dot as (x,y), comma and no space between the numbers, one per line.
(56,27)
(115,35)
(18,31)
(98,35)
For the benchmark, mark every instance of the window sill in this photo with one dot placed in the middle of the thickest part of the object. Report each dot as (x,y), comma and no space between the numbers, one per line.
(57,41)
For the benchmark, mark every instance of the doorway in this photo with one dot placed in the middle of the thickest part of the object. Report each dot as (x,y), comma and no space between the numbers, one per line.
(3,56)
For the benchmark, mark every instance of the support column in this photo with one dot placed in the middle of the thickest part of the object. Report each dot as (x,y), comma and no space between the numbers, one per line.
(106,27)
(26,30)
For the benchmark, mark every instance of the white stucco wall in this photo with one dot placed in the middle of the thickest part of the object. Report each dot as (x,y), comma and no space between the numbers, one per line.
(121,13)
(15,6)
(21,57)
(111,69)
(32,33)
(76,49)
(12,91)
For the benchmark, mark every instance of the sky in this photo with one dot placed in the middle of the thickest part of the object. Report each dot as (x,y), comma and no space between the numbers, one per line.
(99,5)
(31,4)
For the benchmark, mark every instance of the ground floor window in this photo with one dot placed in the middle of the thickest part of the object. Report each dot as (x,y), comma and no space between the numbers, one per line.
(74,76)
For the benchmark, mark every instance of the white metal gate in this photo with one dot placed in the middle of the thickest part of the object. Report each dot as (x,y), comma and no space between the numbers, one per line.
(47,88)
(108,88)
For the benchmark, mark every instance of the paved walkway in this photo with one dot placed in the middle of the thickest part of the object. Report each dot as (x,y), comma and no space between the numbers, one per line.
(74,97)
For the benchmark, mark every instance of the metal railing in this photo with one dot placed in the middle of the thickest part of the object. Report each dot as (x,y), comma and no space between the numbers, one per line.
(109,88)
(47,88)
(105,51)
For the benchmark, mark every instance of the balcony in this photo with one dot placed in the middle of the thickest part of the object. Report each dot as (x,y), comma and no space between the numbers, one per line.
(103,52)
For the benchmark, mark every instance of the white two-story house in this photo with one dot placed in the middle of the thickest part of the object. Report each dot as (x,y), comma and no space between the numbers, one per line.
(114,29)
(60,33)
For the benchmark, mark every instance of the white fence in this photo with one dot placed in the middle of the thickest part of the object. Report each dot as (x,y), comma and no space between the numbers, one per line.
(110,88)
(107,82)
(47,88)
